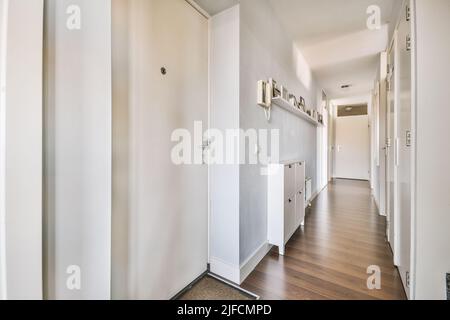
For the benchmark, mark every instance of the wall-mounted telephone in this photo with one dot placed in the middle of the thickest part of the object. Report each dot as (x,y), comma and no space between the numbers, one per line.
(264,98)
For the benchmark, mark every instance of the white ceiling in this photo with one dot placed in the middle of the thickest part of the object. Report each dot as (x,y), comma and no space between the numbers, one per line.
(335,41)
(215,6)
(333,38)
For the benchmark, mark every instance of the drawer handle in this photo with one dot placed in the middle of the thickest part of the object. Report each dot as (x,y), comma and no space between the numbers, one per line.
(290,200)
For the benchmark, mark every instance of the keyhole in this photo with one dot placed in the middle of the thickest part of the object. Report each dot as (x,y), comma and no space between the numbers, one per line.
(163,71)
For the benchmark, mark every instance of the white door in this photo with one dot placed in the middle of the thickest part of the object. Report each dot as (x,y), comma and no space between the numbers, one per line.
(168,90)
(352,147)
(404,144)
(391,153)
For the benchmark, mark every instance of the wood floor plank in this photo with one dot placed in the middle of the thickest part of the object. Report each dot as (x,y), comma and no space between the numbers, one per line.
(329,257)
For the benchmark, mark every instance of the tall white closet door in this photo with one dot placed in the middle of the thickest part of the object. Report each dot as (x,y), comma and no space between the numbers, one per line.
(167,71)
(77,196)
(404,142)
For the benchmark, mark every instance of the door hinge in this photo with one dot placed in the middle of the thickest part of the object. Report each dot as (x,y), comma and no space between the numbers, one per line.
(408,138)
(408,279)
(408,43)
(408,13)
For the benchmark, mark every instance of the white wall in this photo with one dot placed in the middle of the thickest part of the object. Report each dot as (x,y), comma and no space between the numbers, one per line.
(22,115)
(3,28)
(268,52)
(224,114)
(78,149)
(248,45)
(432,218)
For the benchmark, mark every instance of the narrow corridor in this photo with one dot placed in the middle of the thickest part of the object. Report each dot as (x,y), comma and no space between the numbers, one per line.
(328,259)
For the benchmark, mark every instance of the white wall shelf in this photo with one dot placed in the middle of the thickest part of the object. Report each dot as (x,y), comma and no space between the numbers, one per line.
(282,103)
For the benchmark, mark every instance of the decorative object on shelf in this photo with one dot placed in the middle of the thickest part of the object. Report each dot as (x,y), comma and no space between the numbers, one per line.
(320,118)
(276,92)
(284,93)
(309,112)
(302,103)
(293,100)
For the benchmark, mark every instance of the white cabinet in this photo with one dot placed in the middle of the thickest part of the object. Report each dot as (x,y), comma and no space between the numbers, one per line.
(286,201)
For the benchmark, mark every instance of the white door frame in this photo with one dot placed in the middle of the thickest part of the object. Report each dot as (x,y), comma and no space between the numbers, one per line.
(393,151)
(362,99)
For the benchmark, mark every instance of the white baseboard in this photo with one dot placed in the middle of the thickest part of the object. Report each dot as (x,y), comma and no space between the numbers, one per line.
(250,264)
(238,274)
(378,207)
(225,270)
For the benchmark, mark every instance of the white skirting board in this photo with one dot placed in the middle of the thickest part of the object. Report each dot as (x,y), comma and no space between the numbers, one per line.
(250,264)
(225,270)
(238,274)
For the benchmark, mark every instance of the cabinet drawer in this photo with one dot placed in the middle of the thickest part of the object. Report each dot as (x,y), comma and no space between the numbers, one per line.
(300,176)
(289,182)
(299,208)
(289,219)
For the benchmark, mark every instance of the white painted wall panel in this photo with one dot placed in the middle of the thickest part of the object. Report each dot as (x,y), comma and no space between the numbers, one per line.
(78,149)
(3,34)
(21,105)
(224,179)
